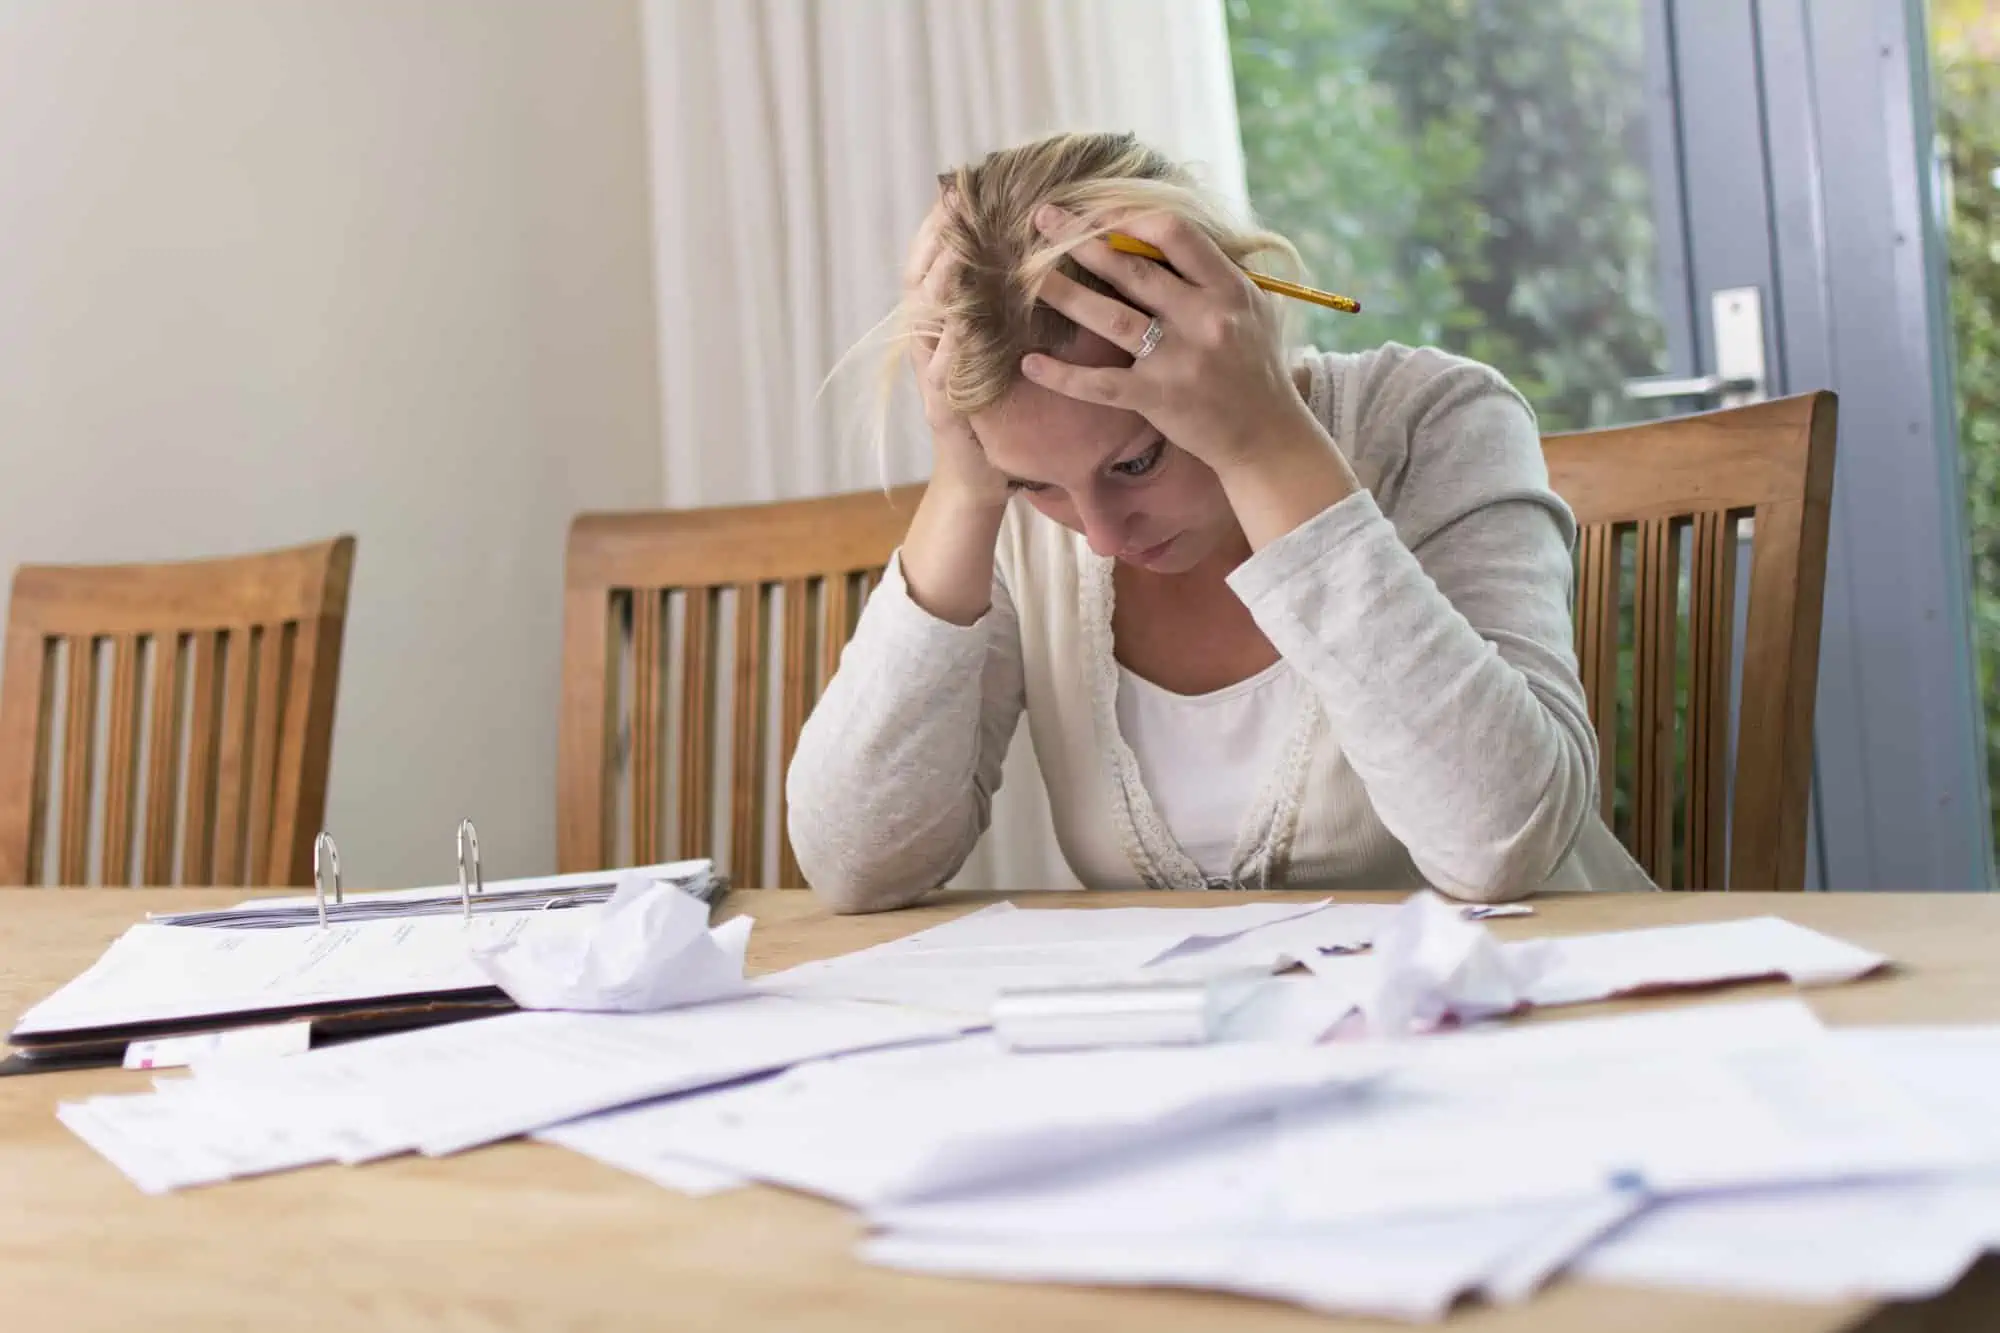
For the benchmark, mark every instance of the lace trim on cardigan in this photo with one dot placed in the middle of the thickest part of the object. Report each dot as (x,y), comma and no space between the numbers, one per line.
(1263,851)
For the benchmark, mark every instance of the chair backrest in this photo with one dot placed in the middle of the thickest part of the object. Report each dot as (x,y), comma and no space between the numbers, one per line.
(176,708)
(675,619)
(1663,507)
(1668,501)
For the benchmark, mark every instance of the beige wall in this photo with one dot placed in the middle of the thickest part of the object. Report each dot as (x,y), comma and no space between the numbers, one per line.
(276,269)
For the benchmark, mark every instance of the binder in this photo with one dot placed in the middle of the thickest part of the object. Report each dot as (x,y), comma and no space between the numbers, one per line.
(434,982)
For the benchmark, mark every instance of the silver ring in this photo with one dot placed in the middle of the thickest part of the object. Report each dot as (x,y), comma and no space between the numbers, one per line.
(1150,339)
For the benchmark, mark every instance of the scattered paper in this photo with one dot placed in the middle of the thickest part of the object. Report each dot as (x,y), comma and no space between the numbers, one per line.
(1898,1239)
(1432,967)
(1411,1270)
(872,1129)
(444,1089)
(962,966)
(259,1042)
(649,948)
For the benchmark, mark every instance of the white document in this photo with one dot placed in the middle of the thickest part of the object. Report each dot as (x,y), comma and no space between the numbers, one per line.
(1902,1239)
(247,1043)
(1409,1270)
(1879,1240)
(439,1090)
(1591,967)
(1330,929)
(894,1125)
(157,973)
(649,948)
(1006,924)
(1481,1118)
(962,966)
(629,1140)
(166,1140)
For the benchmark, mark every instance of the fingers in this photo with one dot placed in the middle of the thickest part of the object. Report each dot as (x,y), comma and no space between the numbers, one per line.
(1088,384)
(1149,284)
(1106,316)
(1198,259)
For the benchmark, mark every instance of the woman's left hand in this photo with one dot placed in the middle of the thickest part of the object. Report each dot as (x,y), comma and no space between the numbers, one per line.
(1215,381)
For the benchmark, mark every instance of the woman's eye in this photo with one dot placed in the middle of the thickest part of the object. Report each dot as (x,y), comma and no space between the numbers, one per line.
(1031,487)
(1140,464)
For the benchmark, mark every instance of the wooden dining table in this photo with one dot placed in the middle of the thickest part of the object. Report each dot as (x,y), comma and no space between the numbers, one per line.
(525,1236)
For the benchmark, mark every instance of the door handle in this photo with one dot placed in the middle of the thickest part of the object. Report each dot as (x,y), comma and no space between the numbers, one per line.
(1737,316)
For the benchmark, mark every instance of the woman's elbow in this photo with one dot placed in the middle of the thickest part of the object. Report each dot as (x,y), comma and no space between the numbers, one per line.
(1515,860)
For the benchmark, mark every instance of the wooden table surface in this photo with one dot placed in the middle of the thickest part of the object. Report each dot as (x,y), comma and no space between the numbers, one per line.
(523,1236)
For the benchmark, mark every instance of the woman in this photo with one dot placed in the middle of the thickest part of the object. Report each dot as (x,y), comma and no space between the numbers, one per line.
(1273,623)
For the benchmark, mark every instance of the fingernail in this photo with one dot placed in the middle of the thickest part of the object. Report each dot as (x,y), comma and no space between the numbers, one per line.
(1031,366)
(1048,217)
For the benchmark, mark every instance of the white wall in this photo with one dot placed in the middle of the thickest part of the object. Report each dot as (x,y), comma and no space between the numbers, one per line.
(276,269)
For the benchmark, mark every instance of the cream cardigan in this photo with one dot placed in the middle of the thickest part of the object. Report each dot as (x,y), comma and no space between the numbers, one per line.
(1444,738)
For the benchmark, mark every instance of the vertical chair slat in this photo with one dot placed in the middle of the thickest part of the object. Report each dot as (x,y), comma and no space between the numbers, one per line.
(647,724)
(121,761)
(239,684)
(274,644)
(697,730)
(79,746)
(1656,606)
(204,745)
(751,698)
(163,752)
(1711,631)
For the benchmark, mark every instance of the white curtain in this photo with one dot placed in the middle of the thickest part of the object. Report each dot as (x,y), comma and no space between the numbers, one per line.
(795,146)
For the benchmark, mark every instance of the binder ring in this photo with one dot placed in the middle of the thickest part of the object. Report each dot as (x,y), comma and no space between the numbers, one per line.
(469,879)
(326,859)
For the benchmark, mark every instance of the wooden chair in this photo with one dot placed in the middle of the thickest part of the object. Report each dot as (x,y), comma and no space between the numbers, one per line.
(222,676)
(647,594)
(650,601)
(1641,494)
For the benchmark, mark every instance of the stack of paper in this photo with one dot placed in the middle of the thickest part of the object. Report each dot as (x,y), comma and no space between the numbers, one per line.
(154,973)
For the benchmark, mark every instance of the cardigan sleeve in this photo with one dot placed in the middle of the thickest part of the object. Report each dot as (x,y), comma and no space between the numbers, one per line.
(893,778)
(1440,642)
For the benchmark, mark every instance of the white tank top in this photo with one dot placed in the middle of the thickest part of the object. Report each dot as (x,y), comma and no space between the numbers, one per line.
(1203,757)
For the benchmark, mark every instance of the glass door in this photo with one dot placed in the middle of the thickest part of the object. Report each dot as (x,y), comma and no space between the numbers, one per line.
(1635,207)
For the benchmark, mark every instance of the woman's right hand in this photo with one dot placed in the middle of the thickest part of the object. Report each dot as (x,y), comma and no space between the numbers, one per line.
(959,463)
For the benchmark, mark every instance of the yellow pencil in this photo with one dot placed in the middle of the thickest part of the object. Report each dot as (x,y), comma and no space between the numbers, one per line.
(1131,245)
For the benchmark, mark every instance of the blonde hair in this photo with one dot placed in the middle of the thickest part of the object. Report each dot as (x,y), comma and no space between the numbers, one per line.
(1003,257)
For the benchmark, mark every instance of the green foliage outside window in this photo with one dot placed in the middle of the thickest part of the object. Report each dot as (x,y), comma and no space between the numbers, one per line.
(1966,90)
(1475,171)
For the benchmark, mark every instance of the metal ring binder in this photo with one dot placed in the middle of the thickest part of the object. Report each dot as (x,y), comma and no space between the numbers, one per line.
(468,838)
(325,856)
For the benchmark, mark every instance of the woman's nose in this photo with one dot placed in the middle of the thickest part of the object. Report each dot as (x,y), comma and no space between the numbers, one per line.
(1104,527)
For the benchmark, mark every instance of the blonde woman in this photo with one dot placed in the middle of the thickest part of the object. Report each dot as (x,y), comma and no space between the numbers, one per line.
(1275,621)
